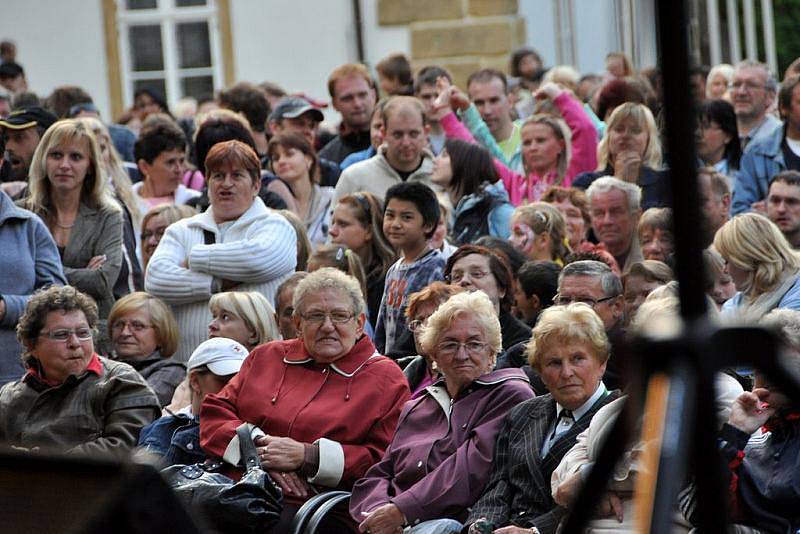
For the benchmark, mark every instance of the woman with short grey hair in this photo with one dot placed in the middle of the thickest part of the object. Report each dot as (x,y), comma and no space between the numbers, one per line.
(322,407)
(71,400)
(451,428)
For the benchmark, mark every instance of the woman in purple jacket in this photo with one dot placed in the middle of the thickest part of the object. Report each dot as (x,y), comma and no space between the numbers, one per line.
(441,455)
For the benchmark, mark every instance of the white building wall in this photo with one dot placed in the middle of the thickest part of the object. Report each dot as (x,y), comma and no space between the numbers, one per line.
(297,44)
(59,43)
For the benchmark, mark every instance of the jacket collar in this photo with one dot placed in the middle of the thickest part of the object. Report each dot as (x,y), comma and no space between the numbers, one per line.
(492,378)
(34,377)
(9,210)
(769,146)
(348,365)
(205,220)
(426,167)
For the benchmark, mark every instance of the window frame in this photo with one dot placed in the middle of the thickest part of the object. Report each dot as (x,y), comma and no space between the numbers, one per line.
(167,16)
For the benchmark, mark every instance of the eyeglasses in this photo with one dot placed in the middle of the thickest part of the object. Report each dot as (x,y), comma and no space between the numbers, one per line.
(133,326)
(63,334)
(458,276)
(451,348)
(747,86)
(336,317)
(563,300)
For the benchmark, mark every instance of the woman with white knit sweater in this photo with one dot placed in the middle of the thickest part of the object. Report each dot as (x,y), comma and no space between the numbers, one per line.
(237,244)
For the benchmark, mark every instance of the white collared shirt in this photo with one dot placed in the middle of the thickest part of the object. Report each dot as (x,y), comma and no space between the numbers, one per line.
(563,424)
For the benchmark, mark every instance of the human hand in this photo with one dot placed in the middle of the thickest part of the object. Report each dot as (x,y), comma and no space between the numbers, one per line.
(627,165)
(2,309)
(386,519)
(96,262)
(610,505)
(442,104)
(749,412)
(282,454)
(548,90)
(290,483)
(567,490)
(759,207)
(512,529)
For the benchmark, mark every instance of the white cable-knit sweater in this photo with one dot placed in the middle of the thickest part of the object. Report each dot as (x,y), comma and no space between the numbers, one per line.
(259,250)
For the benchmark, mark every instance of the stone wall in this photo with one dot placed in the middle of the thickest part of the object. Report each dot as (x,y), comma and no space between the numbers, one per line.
(460,35)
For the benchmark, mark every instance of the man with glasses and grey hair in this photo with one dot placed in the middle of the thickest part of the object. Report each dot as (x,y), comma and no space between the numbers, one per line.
(768,155)
(752,91)
(614,209)
(595,284)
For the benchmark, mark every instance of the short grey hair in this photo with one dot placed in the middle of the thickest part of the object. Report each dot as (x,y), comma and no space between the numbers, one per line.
(475,304)
(771,83)
(785,323)
(609,282)
(329,278)
(606,184)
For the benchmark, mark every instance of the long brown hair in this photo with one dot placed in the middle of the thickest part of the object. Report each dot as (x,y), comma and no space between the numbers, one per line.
(368,211)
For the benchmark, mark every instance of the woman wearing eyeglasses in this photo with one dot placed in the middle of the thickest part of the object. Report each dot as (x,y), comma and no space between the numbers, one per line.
(71,400)
(323,407)
(569,349)
(421,370)
(144,334)
(478,268)
(441,456)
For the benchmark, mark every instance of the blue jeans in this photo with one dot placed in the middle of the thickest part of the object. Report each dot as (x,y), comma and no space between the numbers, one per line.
(436,526)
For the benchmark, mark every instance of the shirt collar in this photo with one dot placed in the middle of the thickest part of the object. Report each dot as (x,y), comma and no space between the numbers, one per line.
(33,373)
(347,365)
(586,406)
(753,132)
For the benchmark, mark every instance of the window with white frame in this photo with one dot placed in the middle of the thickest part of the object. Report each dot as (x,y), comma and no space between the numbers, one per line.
(172,46)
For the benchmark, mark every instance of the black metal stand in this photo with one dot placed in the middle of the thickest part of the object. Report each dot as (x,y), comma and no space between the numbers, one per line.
(691,359)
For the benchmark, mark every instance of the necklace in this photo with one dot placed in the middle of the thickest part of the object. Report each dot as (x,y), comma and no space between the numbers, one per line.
(65,226)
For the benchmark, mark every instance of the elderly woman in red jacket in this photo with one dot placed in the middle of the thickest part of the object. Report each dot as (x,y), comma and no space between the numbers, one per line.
(441,456)
(323,407)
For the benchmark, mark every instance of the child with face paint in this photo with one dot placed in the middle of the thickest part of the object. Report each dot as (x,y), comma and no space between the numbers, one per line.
(539,231)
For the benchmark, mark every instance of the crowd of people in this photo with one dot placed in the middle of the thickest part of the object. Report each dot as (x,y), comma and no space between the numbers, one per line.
(427,306)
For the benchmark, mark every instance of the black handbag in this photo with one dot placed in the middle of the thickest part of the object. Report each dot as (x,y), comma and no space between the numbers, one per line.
(253,504)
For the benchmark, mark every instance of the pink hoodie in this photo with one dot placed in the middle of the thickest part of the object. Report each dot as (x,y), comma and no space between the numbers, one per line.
(523,189)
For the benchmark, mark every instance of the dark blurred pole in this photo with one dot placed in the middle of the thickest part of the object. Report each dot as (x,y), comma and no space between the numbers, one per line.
(359,24)
(680,122)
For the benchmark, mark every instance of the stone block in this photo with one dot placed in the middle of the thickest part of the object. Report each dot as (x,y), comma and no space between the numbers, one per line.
(393,12)
(485,8)
(464,39)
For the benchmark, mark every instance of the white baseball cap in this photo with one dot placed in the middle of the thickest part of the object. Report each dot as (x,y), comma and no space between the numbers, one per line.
(221,355)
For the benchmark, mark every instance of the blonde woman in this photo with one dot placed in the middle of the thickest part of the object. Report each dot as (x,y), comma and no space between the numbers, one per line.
(144,334)
(156,222)
(244,316)
(717,82)
(631,151)
(762,264)
(569,350)
(68,189)
(553,150)
(539,231)
(463,337)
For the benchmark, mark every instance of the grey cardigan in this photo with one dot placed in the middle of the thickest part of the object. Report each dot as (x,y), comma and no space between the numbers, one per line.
(97,231)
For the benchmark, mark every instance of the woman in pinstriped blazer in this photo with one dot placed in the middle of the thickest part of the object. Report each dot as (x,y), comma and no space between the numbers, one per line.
(569,349)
